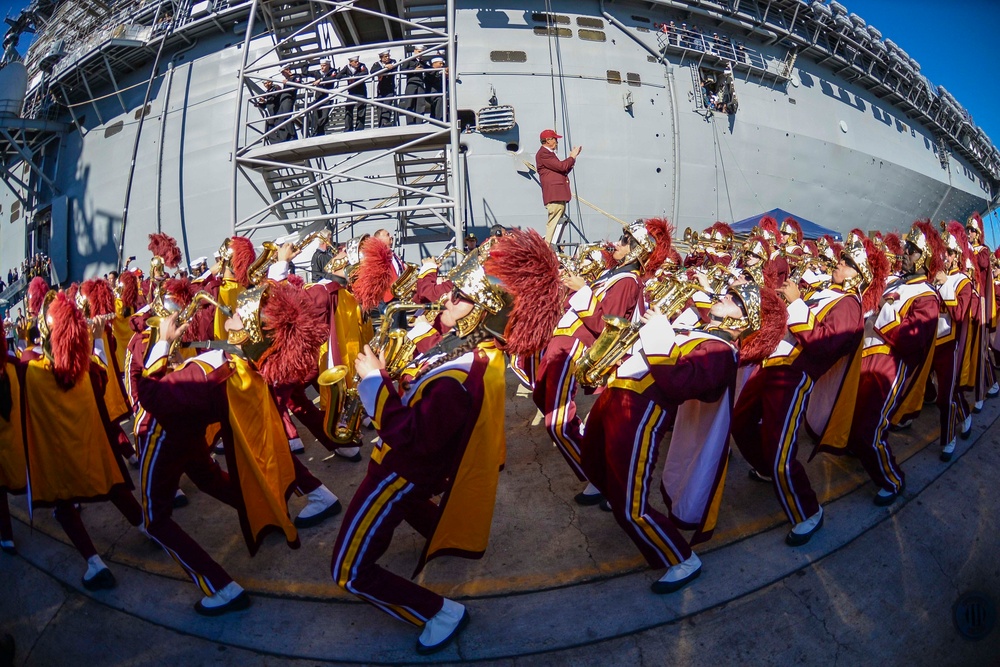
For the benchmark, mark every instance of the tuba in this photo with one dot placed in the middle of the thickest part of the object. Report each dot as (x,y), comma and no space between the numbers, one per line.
(344,413)
(602,357)
(257,272)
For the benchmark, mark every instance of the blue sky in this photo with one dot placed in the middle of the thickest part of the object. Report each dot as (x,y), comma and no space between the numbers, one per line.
(955,43)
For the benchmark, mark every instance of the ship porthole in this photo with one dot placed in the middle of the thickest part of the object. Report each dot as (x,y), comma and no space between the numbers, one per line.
(513,147)
(843,127)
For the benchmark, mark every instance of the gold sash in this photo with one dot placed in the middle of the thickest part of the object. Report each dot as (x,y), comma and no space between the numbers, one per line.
(263,461)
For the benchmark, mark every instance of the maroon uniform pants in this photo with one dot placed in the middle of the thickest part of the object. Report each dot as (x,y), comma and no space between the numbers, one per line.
(292,399)
(68,517)
(382,502)
(880,390)
(951,403)
(554,395)
(6,530)
(766,421)
(620,449)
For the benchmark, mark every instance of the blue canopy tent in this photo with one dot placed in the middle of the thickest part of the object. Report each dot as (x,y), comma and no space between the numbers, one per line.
(810,230)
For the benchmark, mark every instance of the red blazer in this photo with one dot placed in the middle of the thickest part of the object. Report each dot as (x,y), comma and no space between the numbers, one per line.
(553,174)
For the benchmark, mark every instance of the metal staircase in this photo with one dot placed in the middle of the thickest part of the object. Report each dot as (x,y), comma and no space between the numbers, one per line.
(347,180)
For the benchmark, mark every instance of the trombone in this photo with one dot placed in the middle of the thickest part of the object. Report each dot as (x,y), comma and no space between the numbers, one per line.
(257,272)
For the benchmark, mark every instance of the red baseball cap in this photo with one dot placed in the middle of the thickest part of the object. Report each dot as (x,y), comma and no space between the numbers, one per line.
(549,134)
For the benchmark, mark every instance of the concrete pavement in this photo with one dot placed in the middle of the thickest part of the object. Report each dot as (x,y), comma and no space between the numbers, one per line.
(559,584)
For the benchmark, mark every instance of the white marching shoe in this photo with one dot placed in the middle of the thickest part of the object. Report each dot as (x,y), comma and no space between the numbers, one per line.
(322,504)
(948,451)
(443,627)
(231,597)
(679,575)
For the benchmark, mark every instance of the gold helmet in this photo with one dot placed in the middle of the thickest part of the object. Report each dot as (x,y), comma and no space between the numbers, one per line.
(923,238)
(856,255)
(641,243)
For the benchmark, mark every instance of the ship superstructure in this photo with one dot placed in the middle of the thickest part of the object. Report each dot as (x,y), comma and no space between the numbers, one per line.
(160,116)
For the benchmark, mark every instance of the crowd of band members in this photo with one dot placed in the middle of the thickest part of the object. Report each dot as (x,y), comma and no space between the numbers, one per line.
(417,85)
(774,340)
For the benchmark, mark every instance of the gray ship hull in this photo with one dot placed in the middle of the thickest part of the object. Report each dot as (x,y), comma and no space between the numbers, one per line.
(806,141)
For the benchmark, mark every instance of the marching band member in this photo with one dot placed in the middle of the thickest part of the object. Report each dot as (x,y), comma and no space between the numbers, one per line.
(984,317)
(280,334)
(690,373)
(67,434)
(773,403)
(953,335)
(898,350)
(30,346)
(13,467)
(422,454)
(617,292)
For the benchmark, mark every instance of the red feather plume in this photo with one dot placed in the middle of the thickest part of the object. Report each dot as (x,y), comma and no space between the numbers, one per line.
(129,290)
(811,247)
(99,296)
(772,279)
(769,224)
(879,265)
(374,276)
(243,256)
(296,279)
(37,289)
(72,290)
(957,230)
(70,340)
(796,227)
(297,327)
(661,231)
(721,227)
(773,320)
(894,244)
(674,257)
(181,290)
(935,262)
(165,246)
(528,268)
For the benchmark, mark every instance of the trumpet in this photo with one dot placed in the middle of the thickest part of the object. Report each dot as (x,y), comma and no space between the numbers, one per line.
(257,272)
(343,414)
(168,307)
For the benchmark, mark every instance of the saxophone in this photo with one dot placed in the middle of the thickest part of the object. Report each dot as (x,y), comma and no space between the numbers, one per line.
(257,272)
(602,357)
(405,285)
(168,306)
(343,414)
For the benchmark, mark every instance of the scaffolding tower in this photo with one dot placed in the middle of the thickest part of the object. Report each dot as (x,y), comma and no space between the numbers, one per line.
(402,175)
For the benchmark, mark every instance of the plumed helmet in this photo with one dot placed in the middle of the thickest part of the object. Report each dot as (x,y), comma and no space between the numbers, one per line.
(129,293)
(97,298)
(855,253)
(37,289)
(718,234)
(374,274)
(65,338)
(976,222)
(925,239)
(165,247)
(282,331)
(767,317)
(792,231)
(768,227)
(662,233)
(641,243)
(241,255)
